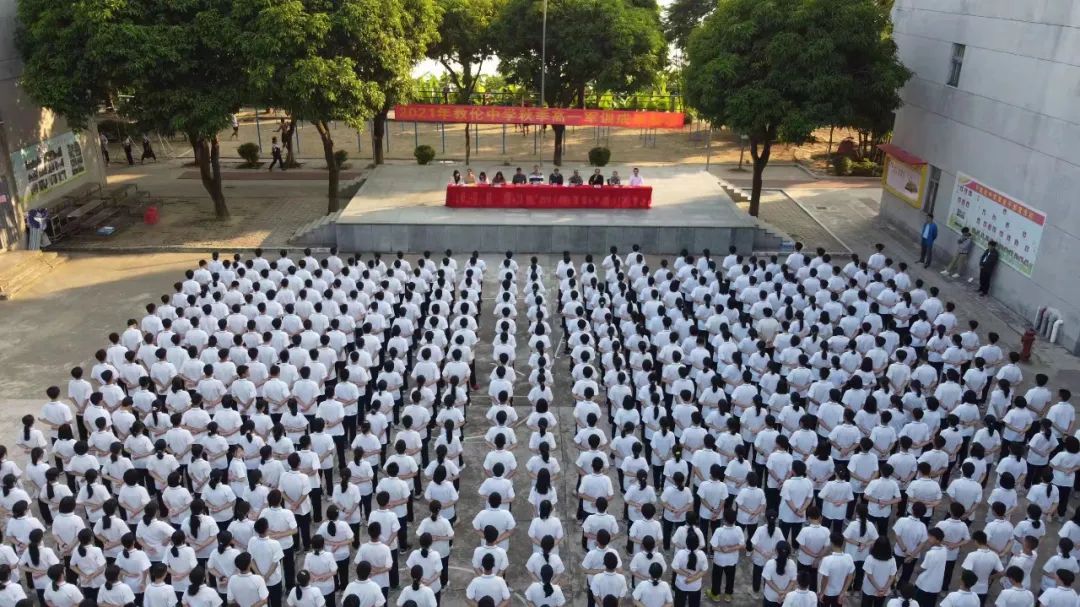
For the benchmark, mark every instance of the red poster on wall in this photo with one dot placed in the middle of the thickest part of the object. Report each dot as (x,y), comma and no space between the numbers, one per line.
(421,112)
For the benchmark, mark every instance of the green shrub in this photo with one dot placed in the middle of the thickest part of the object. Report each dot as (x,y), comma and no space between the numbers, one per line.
(841,166)
(599,156)
(424,154)
(340,157)
(865,168)
(250,153)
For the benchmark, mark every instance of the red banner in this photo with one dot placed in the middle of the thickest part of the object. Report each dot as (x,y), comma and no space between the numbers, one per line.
(548,197)
(494,114)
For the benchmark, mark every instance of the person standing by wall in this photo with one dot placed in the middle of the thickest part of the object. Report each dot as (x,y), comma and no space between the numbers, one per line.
(929,235)
(987,263)
(104,147)
(959,260)
(128,144)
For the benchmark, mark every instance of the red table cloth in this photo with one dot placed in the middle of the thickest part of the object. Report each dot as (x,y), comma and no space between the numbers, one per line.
(548,197)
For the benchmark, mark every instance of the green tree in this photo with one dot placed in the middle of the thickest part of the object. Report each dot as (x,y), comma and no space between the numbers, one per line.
(302,56)
(776,70)
(175,59)
(464,43)
(408,28)
(608,45)
(682,16)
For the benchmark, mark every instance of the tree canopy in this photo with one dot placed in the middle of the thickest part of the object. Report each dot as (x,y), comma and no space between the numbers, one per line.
(611,45)
(682,16)
(776,70)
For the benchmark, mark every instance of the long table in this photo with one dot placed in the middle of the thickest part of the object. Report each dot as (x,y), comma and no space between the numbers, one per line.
(548,197)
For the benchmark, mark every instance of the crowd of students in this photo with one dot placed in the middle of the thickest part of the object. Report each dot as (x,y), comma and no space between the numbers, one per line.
(290,432)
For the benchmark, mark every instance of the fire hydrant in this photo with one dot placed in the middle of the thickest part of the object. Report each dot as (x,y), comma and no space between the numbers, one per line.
(150,217)
(1026,342)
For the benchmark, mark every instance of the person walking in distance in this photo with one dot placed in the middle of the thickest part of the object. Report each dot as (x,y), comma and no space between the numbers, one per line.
(987,263)
(275,151)
(235,126)
(128,145)
(959,260)
(147,149)
(926,242)
(104,147)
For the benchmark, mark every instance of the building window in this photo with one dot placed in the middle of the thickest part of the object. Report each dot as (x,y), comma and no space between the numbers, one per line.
(956,64)
(930,199)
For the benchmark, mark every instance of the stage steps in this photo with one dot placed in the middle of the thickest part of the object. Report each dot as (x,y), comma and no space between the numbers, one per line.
(20,269)
(736,194)
(317,232)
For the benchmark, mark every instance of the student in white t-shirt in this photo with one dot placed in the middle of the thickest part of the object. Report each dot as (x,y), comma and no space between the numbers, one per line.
(544,593)
(653,592)
(802,596)
(835,573)
(1014,594)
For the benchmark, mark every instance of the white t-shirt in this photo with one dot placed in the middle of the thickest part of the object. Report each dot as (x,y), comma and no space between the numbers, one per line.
(882,572)
(800,598)
(984,563)
(651,595)
(835,566)
(535,595)
(488,585)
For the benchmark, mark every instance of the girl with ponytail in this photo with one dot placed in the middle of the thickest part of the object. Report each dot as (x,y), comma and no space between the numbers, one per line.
(763,546)
(689,565)
(181,561)
(348,503)
(202,530)
(336,536)
(114,593)
(643,561)
(88,563)
(198,593)
(859,536)
(222,563)
(779,575)
(134,566)
(36,561)
(430,564)
(59,593)
(417,592)
(545,593)
(110,529)
(442,536)
(362,475)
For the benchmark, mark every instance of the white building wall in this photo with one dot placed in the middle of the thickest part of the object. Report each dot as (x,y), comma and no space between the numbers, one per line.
(1013,122)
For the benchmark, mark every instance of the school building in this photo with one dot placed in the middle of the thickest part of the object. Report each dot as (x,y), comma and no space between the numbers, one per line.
(41,157)
(989,138)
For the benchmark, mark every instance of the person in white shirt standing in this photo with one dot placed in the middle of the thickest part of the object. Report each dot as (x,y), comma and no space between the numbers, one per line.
(835,573)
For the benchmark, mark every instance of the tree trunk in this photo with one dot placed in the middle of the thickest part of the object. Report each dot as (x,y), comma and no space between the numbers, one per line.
(208,159)
(287,137)
(560,133)
(759,152)
(468,144)
(378,131)
(828,150)
(332,168)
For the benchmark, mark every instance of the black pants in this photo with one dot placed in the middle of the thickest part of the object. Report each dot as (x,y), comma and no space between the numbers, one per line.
(873,601)
(718,577)
(926,252)
(984,285)
(275,593)
(810,569)
(303,526)
(790,530)
(947,579)
(669,528)
(904,570)
(288,568)
(925,599)
(1063,499)
(277,160)
(687,598)
(395,580)
(833,601)
(755,577)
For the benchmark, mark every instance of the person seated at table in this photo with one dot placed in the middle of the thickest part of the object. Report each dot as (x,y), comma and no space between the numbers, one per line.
(536,177)
(636,179)
(519,177)
(470,177)
(456,178)
(555,178)
(614,179)
(498,179)
(575,179)
(483,180)
(596,179)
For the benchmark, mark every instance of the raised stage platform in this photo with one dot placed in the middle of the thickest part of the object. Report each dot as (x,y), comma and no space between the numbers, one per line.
(402,207)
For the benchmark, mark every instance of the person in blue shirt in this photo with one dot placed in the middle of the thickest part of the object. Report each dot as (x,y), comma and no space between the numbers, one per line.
(929,235)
